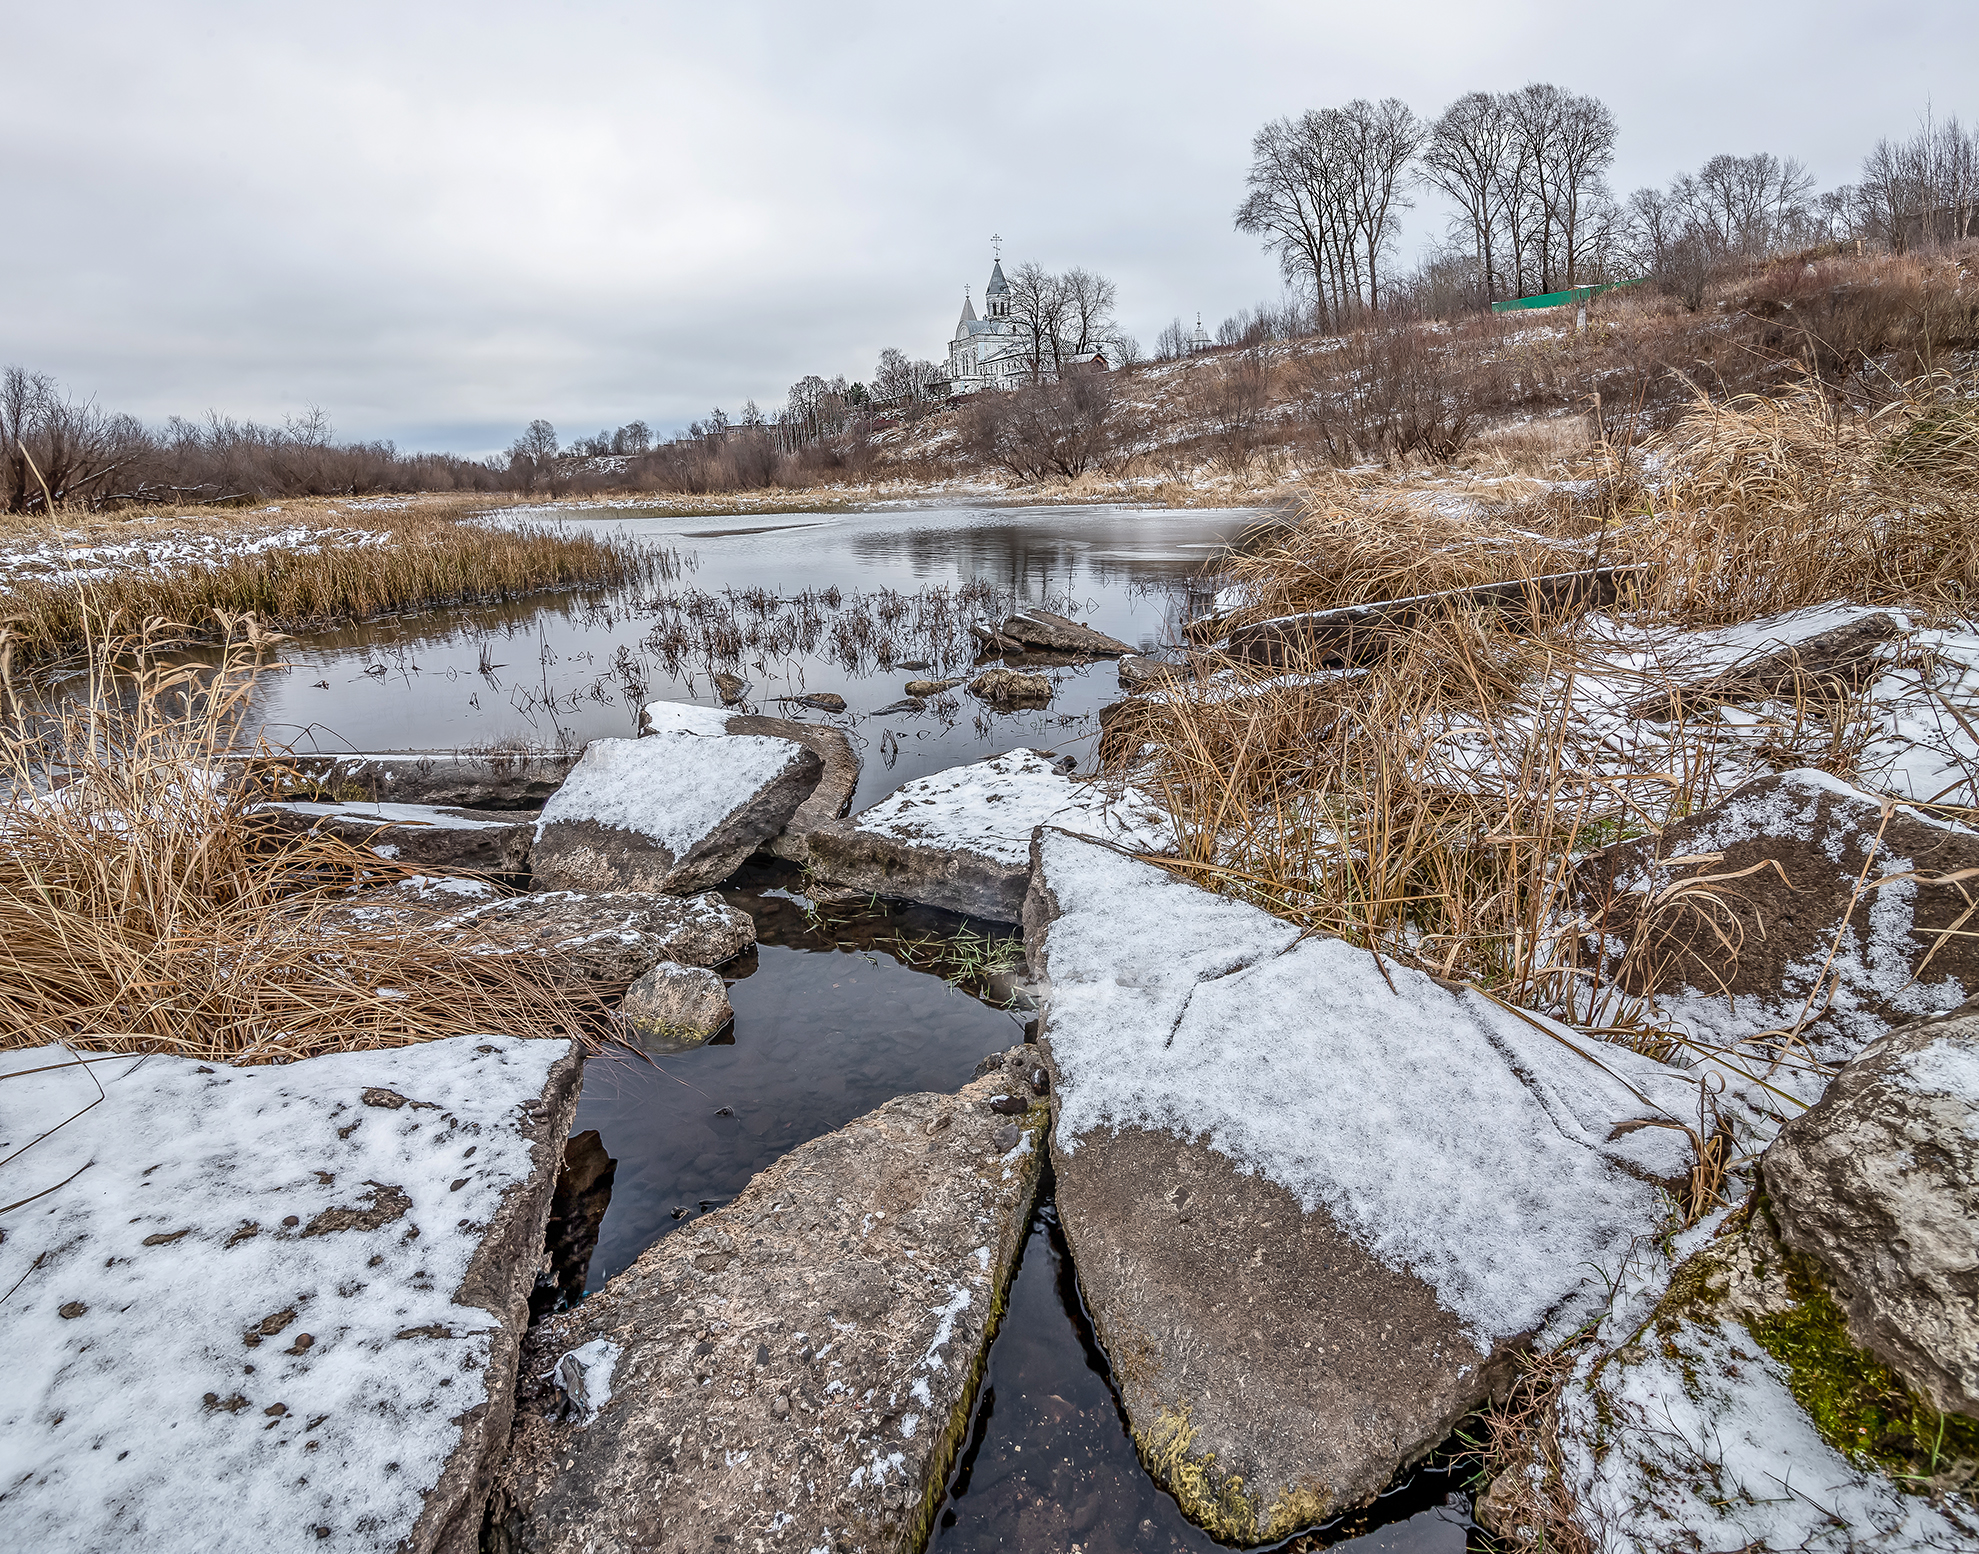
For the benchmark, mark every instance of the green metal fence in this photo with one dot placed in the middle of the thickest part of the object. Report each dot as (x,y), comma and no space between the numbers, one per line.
(1571,297)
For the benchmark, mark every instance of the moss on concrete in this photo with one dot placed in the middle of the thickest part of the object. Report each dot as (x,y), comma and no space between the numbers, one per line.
(1862,1408)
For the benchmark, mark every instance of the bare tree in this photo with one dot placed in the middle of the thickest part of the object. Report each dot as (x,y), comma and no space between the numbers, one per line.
(1466,156)
(1746,206)
(1039,306)
(1324,190)
(1173,341)
(1293,199)
(1063,428)
(1382,139)
(1089,300)
(1566,143)
(1924,190)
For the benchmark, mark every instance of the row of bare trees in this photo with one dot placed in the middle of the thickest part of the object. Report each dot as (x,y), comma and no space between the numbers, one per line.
(1525,172)
(1525,169)
(73,452)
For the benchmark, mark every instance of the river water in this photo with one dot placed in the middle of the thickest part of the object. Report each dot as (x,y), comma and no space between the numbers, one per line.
(837,1010)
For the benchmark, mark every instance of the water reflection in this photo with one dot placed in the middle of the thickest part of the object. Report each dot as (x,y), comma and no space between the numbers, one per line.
(830,1022)
(1048,1463)
(575,666)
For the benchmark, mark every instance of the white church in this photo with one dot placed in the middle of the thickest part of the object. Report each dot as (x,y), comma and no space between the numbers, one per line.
(987,352)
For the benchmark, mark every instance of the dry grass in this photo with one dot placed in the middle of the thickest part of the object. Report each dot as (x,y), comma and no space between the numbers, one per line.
(1747,508)
(1773,504)
(374,562)
(1425,807)
(145,906)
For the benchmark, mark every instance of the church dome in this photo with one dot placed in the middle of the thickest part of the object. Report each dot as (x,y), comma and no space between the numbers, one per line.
(998,286)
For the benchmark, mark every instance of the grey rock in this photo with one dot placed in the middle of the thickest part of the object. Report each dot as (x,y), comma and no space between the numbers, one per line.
(1879,1183)
(1008,689)
(1042,629)
(832,795)
(1285,1358)
(487,841)
(823,701)
(609,938)
(668,815)
(793,1369)
(1137,673)
(495,779)
(342,1349)
(990,640)
(1788,853)
(673,1007)
(930,687)
(907,704)
(961,839)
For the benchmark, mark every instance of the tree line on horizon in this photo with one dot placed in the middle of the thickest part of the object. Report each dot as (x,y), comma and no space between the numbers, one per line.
(1526,171)
(1526,174)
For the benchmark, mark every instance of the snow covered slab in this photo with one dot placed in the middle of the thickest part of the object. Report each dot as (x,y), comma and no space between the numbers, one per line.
(961,839)
(793,1372)
(1833,907)
(668,815)
(269,1308)
(828,801)
(495,841)
(491,779)
(1316,1203)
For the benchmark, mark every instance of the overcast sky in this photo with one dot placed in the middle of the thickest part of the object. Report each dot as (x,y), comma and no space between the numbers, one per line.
(437,221)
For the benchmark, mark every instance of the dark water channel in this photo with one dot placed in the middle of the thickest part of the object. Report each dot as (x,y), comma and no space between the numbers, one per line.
(838,1008)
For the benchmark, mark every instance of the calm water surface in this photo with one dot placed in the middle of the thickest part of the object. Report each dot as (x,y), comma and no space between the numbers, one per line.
(575,667)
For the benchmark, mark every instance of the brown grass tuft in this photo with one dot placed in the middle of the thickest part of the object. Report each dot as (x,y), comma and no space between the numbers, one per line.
(145,906)
(419,557)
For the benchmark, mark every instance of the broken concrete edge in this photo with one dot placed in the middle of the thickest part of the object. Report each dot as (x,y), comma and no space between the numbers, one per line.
(450,1521)
(1035,1126)
(540,1503)
(468,779)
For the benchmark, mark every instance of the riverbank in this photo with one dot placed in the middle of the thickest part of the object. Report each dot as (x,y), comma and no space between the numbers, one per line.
(1476,900)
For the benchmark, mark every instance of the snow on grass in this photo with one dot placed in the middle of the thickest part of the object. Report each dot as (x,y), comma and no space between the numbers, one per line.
(1446,1134)
(1874,955)
(1693,1441)
(991,807)
(200,1352)
(52,561)
(673,790)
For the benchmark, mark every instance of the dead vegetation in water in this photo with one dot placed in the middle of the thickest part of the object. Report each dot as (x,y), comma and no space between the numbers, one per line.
(350,563)
(145,906)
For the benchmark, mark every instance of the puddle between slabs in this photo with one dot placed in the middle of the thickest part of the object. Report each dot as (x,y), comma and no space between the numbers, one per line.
(836,1013)
(837,1010)
(1048,1463)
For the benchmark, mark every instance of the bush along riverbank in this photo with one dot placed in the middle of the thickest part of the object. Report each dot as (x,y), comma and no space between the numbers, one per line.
(1510,971)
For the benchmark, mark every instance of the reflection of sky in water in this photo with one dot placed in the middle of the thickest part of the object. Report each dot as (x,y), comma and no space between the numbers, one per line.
(413,682)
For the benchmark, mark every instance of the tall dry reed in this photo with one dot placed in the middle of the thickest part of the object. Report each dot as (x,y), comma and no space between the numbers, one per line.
(418,559)
(145,904)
